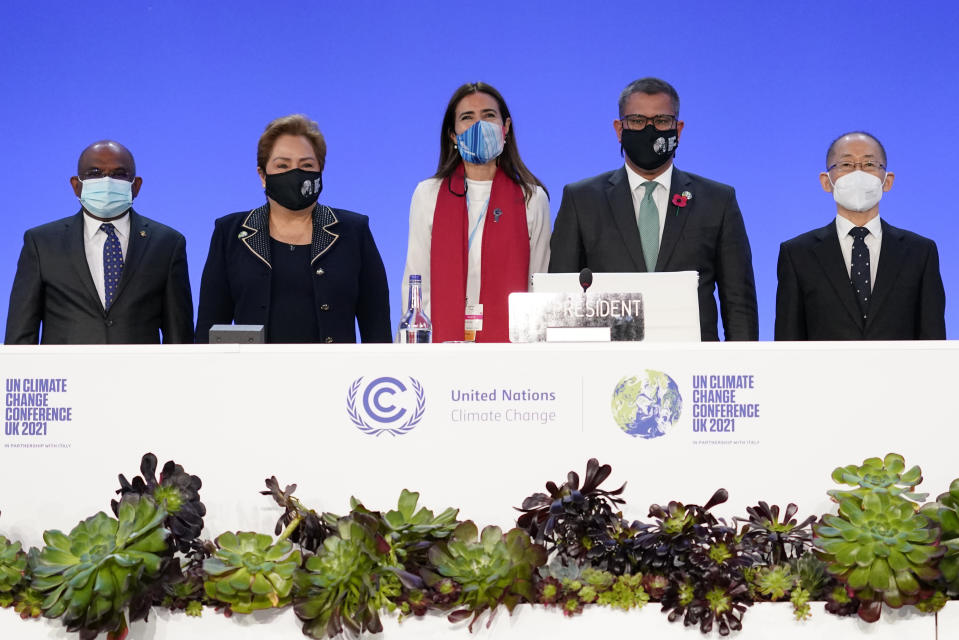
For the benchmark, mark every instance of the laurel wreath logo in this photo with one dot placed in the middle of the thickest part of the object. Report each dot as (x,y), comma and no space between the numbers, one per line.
(357,419)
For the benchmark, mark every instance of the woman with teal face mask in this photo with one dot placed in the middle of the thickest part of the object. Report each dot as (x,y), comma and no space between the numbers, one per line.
(480,226)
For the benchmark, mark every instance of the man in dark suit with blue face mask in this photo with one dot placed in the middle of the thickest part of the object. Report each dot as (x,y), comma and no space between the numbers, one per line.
(650,216)
(105,275)
(859,277)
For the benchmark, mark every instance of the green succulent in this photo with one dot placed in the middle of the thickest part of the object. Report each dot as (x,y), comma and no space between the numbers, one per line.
(945,512)
(409,531)
(13,566)
(492,568)
(811,575)
(250,571)
(880,547)
(343,585)
(800,601)
(625,593)
(29,604)
(89,576)
(601,580)
(885,476)
(407,519)
(774,582)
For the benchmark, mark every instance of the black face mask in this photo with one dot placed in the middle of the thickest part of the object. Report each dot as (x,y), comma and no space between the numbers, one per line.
(649,148)
(295,189)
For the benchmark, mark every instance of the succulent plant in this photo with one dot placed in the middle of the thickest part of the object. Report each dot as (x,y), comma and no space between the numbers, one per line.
(89,576)
(800,600)
(13,567)
(625,592)
(774,582)
(776,540)
(492,568)
(840,603)
(250,571)
(580,523)
(176,491)
(679,533)
(811,575)
(307,528)
(945,513)
(881,549)
(29,604)
(723,606)
(410,532)
(343,585)
(881,476)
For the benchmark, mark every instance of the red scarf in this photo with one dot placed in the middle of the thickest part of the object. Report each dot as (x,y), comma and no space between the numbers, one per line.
(504,262)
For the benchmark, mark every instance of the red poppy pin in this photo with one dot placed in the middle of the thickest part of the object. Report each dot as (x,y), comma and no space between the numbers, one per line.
(680,199)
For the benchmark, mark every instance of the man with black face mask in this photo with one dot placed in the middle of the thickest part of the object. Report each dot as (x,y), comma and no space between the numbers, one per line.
(649,216)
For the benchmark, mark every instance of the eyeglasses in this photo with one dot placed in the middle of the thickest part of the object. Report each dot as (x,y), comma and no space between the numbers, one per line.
(869,166)
(119,173)
(663,121)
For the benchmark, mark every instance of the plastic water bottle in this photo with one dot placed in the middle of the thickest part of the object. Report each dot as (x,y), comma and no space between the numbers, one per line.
(415,325)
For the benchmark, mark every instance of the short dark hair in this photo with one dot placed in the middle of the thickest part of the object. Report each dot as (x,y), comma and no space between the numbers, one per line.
(650,86)
(832,145)
(293,125)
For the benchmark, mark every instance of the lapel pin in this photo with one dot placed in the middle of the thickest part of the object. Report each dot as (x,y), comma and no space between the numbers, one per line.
(143,234)
(242,235)
(496,214)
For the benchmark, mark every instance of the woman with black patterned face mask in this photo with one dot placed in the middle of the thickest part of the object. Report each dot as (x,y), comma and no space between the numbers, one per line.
(305,271)
(479,228)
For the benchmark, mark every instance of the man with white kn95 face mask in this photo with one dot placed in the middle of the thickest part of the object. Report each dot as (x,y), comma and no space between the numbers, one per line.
(859,278)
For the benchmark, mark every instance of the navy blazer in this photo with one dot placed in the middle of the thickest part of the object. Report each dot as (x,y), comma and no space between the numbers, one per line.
(349,281)
(815,301)
(596,227)
(54,299)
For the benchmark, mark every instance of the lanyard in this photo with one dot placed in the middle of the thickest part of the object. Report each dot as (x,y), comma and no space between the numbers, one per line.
(469,243)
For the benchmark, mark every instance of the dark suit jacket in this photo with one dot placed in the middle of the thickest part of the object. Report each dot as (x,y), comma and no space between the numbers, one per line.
(815,301)
(53,288)
(596,227)
(349,281)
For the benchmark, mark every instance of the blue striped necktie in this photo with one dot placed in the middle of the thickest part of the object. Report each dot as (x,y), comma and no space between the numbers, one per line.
(112,263)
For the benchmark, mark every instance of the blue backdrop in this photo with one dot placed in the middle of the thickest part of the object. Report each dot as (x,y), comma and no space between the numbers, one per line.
(189,86)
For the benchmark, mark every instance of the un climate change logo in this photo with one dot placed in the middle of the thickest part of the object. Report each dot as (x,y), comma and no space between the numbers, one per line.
(647,405)
(386,402)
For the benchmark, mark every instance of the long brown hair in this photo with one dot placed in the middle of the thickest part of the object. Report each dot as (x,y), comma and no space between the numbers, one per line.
(508,162)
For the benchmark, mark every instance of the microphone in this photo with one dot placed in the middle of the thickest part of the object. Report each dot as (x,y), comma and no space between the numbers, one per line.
(585,279)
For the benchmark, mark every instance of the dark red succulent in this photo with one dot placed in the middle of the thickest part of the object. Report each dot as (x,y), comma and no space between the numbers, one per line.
(176,491)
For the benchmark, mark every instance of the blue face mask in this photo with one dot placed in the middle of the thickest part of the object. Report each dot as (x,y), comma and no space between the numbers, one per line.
(106,197)
(481,143)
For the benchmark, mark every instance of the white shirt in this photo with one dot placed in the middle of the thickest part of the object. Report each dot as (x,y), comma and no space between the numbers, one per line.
(873,242)
(660,193)
(422,207)
(93,240)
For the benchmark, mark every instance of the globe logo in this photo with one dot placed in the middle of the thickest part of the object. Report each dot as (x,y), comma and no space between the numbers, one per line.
(648,405)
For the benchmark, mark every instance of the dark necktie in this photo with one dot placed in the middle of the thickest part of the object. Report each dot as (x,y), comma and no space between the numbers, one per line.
(112,263)
(859,270)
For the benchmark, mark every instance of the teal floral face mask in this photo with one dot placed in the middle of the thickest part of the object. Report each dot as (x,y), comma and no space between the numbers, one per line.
(481,143)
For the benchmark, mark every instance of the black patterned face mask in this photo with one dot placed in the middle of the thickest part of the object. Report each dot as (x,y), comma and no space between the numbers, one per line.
(295,189)
(649,148)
